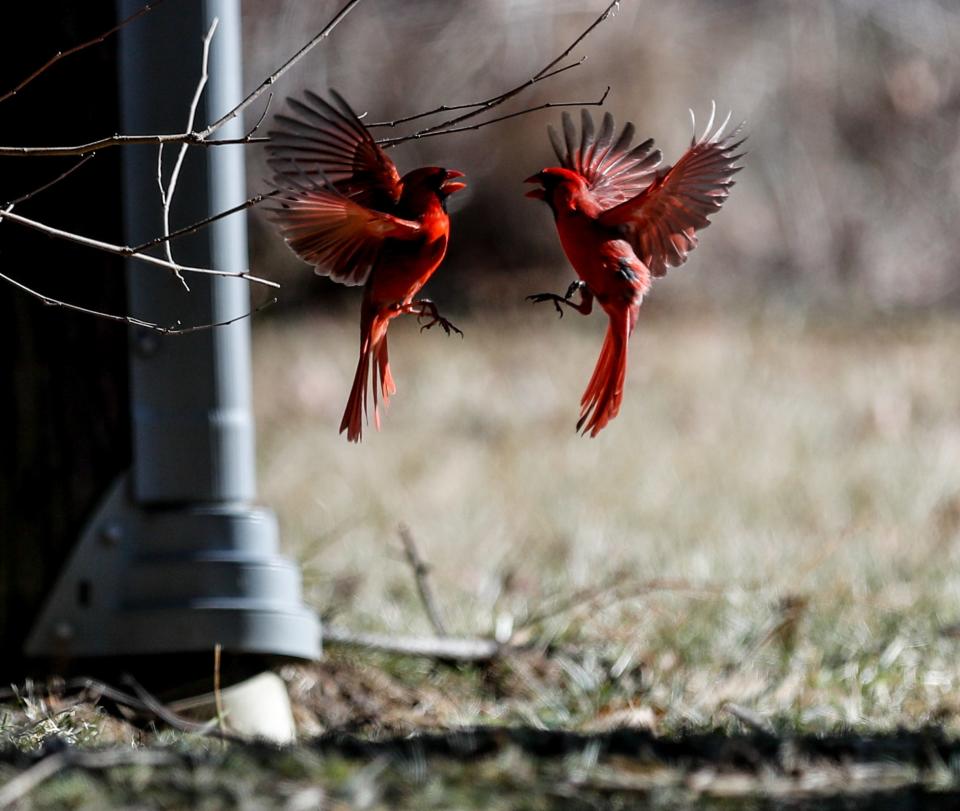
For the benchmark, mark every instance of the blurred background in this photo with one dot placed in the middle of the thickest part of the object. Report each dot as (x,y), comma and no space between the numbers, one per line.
(850,192)
(790,432)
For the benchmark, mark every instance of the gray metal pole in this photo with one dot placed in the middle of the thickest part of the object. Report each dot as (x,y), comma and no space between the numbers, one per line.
(177,559)
(193,429)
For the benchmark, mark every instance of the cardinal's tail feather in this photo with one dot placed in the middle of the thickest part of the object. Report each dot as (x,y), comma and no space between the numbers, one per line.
(604,393)
(387,387)
(373,346)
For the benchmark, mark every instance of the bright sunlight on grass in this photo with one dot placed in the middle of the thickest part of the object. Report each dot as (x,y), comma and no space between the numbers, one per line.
(770,521)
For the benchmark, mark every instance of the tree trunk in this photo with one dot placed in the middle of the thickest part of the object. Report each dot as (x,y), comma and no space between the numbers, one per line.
(64,428)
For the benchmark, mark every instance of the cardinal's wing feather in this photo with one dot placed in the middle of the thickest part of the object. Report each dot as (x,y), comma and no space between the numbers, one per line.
(337,188)
(614,170)
(340,237)
(661,222)
(328,138)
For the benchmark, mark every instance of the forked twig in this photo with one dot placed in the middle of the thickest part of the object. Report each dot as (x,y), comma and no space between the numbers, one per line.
(449,108)
(198,138)
(126,251)
(166,195)
(129,319)
(120,140)
(386,143)
(479,108)
(267,83)
(194,227)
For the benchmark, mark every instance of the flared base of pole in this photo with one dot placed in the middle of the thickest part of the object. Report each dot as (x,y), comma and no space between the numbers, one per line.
(175,580)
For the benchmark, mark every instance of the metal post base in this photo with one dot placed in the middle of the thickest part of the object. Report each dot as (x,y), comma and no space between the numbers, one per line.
(176,580)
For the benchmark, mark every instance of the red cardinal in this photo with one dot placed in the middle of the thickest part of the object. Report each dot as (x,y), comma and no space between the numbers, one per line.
(621,221)
(344,208)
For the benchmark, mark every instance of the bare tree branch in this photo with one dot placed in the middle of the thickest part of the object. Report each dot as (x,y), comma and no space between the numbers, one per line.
(267,83)
(545,72)
(166,195)
(126,251)
(129,319)
(121,140)
(194,227)
(449,108)
(76,48)
(386,143)
(198,138)
(57,179)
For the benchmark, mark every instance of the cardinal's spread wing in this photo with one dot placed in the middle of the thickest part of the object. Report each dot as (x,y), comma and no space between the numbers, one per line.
(329,139)
(661,222)
(338,236)
(336,189)
(614,170)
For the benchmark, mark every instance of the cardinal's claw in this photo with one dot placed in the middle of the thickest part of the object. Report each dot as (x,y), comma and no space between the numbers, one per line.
(447,326)
(539,298)
(427,309)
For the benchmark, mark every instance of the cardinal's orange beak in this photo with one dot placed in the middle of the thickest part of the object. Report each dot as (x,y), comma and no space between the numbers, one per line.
(449,186)
(535,194)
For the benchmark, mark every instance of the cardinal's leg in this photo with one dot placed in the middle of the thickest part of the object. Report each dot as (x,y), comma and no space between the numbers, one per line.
(585,307)
(425,308)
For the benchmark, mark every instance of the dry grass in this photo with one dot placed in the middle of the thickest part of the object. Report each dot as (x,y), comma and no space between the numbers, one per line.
(773,521)
(801,479)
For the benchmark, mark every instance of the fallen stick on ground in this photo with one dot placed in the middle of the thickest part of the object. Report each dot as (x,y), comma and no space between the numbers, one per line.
(452,648)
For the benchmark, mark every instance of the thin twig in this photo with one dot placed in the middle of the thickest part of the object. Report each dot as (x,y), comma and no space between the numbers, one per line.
(202,137)
(449,108)
(421,573)
(62,176)
(166,195)
(190,229)
(82,46)
(122,140)
(126,251)
(267,83)
(129,319)
(545,72)
(613,591)
(217,697)
(386,143)
(171,719)
(446,648)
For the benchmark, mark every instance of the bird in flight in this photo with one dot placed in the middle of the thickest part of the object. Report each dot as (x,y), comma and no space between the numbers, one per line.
(343,207)
(622,220)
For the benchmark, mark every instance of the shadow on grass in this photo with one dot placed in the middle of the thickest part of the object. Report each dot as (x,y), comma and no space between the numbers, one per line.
(519,768)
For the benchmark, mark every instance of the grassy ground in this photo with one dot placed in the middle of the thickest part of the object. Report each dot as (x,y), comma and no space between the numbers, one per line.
(775,511)
(772,521)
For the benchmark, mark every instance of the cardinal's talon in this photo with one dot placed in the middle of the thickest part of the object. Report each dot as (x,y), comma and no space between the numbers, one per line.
(539,298)
(447,326)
